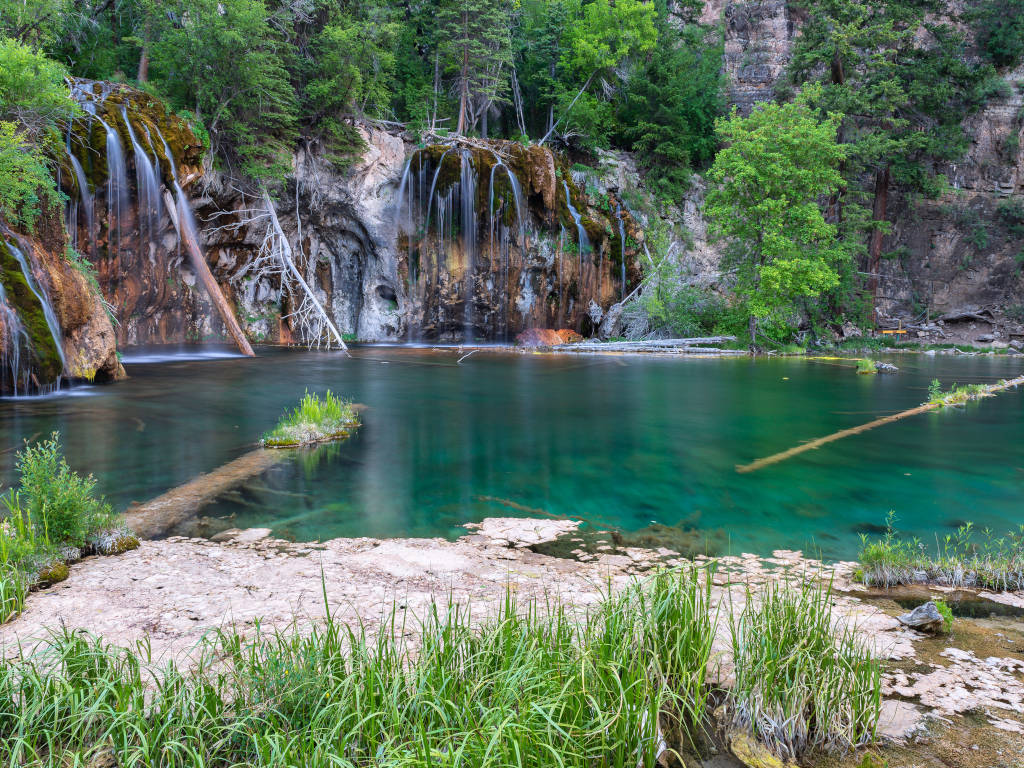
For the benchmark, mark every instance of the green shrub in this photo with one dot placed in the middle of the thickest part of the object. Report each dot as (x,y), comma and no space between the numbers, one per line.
(867,366)
(62,504)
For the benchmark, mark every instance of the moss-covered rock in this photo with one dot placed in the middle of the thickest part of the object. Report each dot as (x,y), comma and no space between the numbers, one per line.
(52,573)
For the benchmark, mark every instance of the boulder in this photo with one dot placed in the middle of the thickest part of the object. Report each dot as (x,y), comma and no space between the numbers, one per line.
(924,618)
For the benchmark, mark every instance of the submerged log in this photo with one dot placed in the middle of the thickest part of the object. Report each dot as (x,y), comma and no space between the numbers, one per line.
(159,515)
(202,270)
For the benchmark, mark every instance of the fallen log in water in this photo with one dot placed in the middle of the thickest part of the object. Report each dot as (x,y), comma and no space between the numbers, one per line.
(159,515)
(671,346)
(813,444)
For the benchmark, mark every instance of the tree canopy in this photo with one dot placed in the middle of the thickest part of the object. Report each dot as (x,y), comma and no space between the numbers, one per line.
(774,168)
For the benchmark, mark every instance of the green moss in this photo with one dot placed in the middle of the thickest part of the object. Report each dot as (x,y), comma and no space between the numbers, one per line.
(52,573)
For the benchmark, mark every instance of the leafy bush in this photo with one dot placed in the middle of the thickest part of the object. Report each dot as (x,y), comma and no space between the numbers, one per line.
(867,366)
(946,613)
(60,501)
(314,420)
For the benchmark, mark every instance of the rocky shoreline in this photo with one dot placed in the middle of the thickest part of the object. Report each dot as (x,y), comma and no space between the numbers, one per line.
(171,592)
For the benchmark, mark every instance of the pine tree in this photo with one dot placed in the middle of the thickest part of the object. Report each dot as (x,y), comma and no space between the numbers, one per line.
(477,47)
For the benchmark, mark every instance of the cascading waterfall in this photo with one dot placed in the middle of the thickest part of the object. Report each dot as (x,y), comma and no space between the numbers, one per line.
(15,374)
(480,246)
(44,300)
(117,184)
(84,204)
(581,231)
(148,186)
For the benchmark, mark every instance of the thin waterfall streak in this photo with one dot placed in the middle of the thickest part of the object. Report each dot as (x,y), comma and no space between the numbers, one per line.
(15,341)
(147,186)
(44,300)
(622,245)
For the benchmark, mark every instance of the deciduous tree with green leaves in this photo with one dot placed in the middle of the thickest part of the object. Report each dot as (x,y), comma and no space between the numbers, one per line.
(768,179)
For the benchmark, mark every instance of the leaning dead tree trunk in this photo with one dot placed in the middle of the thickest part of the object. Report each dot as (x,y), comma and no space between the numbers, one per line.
(202,270)
(278,245)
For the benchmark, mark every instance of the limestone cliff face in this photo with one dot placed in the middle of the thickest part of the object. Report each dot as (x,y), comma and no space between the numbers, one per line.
(472,242)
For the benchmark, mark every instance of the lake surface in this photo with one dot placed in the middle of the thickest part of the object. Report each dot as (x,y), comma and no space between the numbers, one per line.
(616,441)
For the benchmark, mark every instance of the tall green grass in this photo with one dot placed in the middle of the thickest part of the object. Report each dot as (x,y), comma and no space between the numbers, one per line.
(536,684)
(315,419)
(801,682)
(966,558)
(533,685)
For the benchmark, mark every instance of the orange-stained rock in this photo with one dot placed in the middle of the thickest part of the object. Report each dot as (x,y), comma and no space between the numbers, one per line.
(569,336)
(538,337)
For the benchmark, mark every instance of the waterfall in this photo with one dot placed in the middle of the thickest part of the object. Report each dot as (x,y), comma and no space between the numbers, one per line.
(117,183)
(147,185)
(14,376)
(581,231)
(506,284)
(44,301)
(467,191)
(622,246)
(85,203)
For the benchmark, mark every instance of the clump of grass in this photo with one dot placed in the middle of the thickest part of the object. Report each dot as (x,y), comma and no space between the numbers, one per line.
(801,682)
(957,395)
(866,366)
(966,558)
(313,420)
(946,613)
(53,517)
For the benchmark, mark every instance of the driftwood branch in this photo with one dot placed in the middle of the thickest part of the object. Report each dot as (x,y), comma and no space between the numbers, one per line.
(283,250)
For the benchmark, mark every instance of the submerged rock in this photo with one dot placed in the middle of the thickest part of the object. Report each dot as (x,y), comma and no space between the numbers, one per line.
(752,753)
(924,618)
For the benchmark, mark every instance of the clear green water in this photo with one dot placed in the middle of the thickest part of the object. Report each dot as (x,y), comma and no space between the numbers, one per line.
(613,440)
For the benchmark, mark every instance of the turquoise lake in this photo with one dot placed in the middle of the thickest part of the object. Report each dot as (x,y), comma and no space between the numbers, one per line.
(616,441)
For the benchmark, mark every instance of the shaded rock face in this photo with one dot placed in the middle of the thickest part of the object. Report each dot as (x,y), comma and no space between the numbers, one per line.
(966,250)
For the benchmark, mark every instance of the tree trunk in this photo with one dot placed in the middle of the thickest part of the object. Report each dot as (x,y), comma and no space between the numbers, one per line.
(752,329)
(483,123)
(143,74)
(463,92)
(875,249)
(286,257)
(202,270)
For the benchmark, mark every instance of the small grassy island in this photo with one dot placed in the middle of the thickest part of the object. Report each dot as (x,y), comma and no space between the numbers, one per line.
(313,420)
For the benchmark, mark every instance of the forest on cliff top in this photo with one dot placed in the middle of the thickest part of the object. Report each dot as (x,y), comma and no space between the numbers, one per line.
(892,81)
